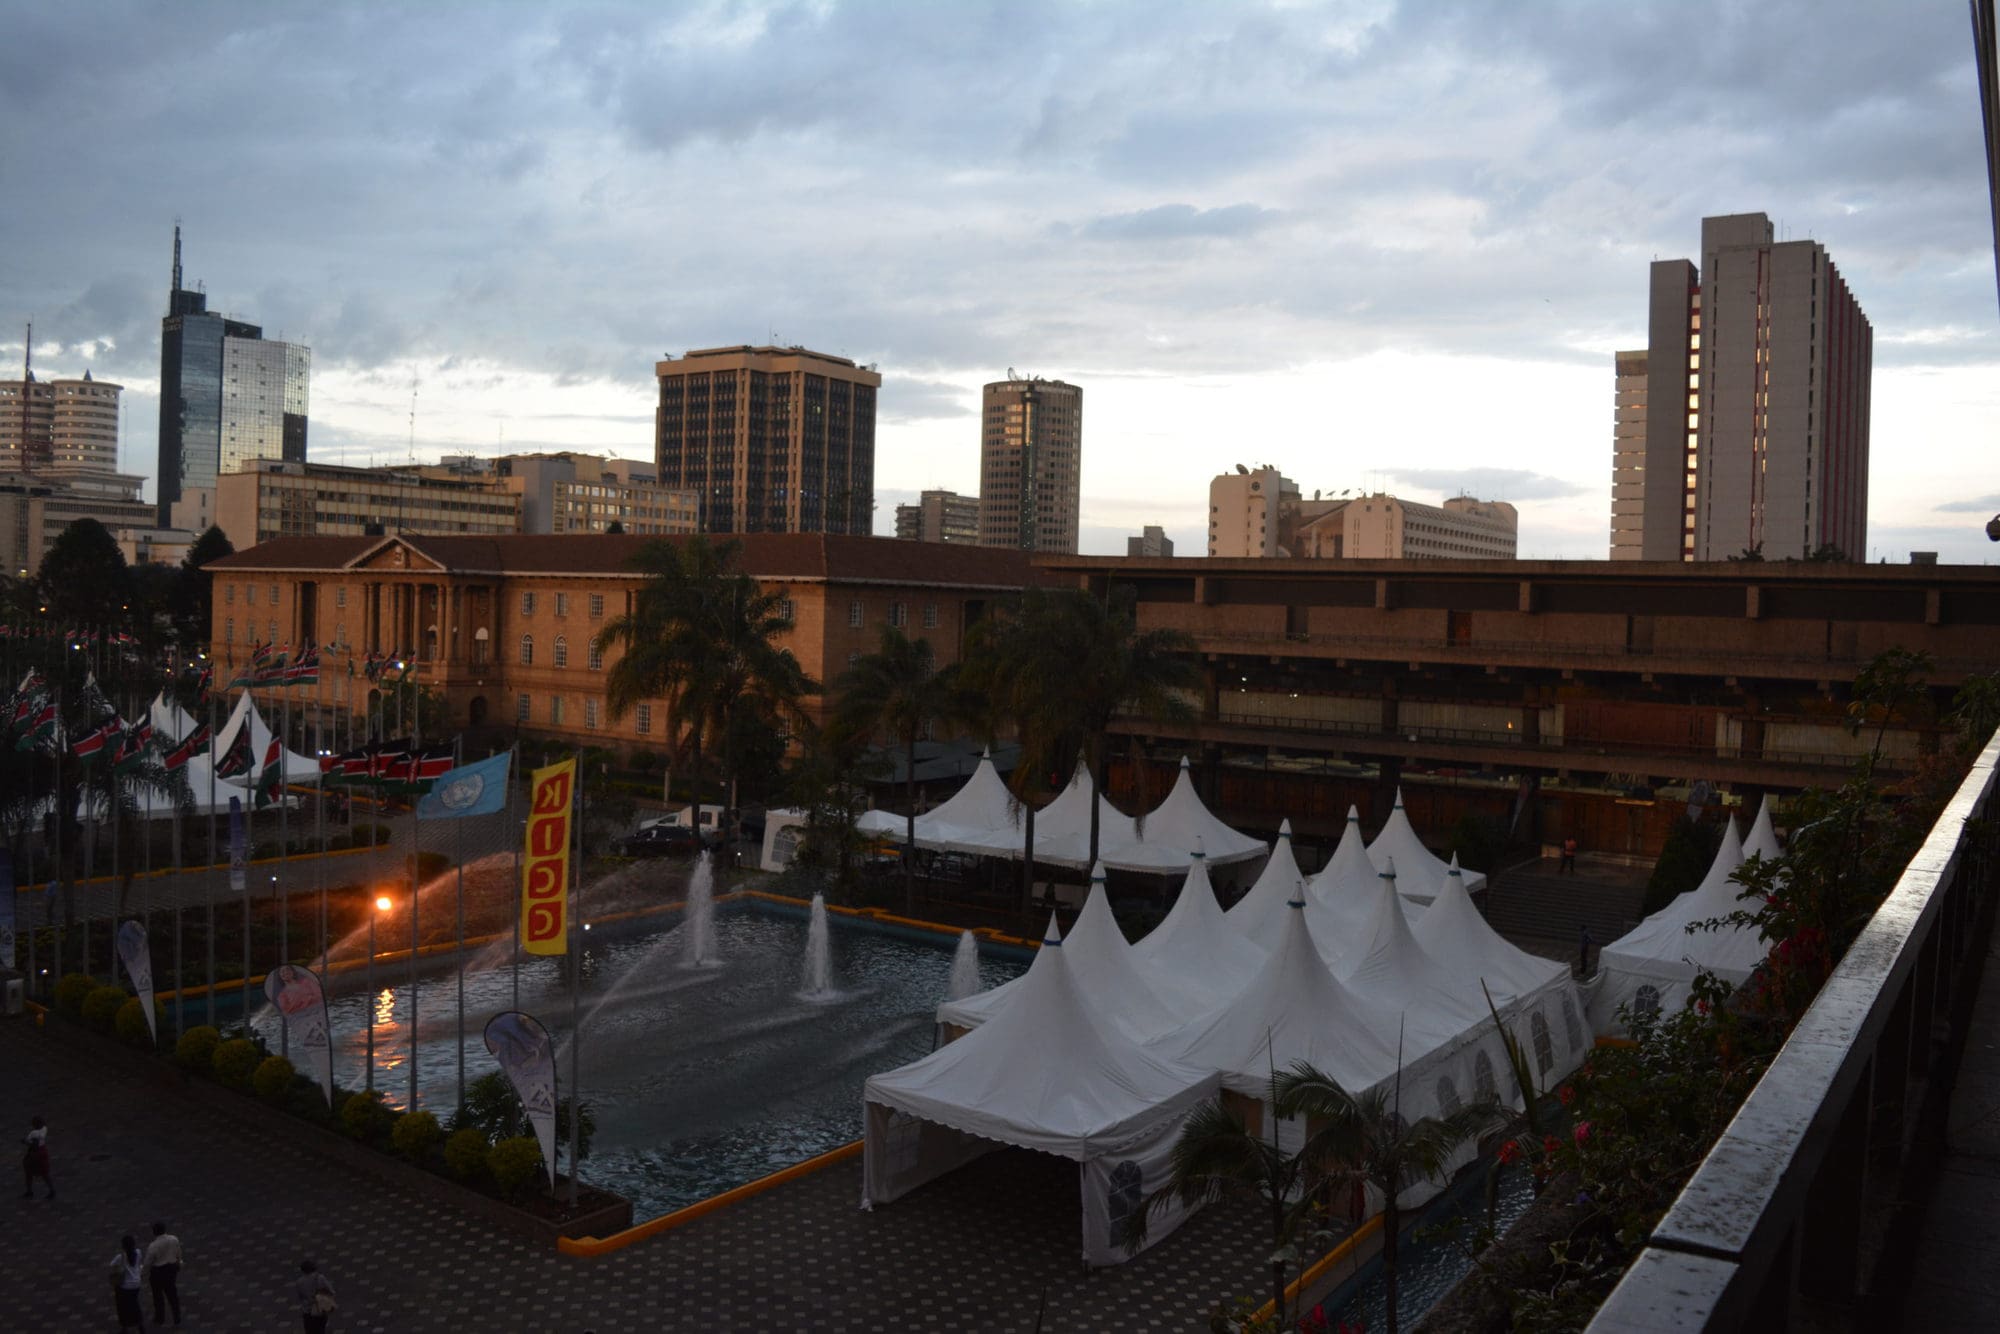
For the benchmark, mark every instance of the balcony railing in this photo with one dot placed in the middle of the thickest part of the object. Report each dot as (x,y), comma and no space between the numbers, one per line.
(1780,1225)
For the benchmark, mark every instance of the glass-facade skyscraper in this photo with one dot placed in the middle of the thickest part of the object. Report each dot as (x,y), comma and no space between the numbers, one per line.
(227,393)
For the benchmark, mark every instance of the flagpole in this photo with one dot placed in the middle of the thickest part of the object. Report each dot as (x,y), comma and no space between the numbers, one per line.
(416,891)
(514,837)
(180,980)
(319,825)
(284,841)
(56,864)
(575,973)
(458,855)
(214,760)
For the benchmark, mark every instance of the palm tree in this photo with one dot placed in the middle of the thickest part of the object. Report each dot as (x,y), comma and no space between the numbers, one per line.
(700,635)
(1364,1138)
(899,689)
(1217,1156)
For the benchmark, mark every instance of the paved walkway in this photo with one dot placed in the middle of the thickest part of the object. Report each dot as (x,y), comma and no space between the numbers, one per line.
(1954,1280)
(975,1251)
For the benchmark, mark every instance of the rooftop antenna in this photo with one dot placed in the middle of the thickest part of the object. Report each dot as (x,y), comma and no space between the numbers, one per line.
(177,254)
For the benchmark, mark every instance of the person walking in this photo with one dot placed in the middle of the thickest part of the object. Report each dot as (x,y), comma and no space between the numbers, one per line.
(128,1273)
(315,1297)
(1568,862)
(163,1273)
(35,1159)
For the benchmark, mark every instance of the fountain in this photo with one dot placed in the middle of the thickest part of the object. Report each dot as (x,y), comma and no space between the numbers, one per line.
(819,956)
(965,978)
(698,919)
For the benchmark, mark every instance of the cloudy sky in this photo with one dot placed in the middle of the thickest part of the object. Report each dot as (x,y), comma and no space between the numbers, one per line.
(1374,244)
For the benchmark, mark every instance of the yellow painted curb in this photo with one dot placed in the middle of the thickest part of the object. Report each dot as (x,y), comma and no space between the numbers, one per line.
(594,1246)
(1320,1267)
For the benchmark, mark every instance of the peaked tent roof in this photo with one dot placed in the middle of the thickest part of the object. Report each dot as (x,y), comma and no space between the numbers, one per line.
(1340,899)
(1453,933)
(1293,1009)
(1173,833)
(1392,969)
(964,822)
(1419,871)
(168,718)
(1262,913)
(297,769)
(1762,840)
(1062,828)
(1663,946)
(1045,1073)
(1194,953)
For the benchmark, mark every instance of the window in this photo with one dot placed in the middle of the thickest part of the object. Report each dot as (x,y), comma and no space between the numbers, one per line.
(274,595)
(527,650)
(1447,1095)
(339,632)
(1572,1025)
(854,614)
(1545,1055)
(642,719)
(229,594)
(340,596)
(590,714)
(250,594)
(555,710)
(562,650)
(899,614)
(786,610)
(595,655)
(1647,1001)
(1482,1078)
(562,604)
(229,631)
(527,604)
(274,632)
(930,616)
(521,708)
(596,606)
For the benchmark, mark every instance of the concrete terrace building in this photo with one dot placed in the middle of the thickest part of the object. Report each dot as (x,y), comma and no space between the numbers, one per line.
(1383,527)
(508,628)
(227,394)
(939,516)
(59,428)
(587,493)
(1030,464)
(1755,413)
(773,439)
(35,510)
(1151,541)
(271,498)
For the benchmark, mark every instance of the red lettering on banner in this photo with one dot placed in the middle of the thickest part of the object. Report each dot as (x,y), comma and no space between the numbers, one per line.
(552,795)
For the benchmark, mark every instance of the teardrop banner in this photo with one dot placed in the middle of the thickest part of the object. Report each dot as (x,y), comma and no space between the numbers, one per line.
(545,865)
(301,1002)
(528,1058)
(137,956)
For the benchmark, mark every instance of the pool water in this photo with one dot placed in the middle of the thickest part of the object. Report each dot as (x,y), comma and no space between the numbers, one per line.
(700,1078)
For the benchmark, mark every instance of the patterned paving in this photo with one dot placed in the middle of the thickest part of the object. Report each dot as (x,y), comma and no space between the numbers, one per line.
(976,1251)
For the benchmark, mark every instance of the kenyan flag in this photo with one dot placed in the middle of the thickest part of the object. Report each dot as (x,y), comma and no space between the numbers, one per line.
(267,779)
(39,729)
(236,760)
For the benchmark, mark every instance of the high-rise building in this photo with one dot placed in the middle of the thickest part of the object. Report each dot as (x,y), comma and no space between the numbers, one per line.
(59,428)
(227,394)
(1250,512)
(1755,407)
(1030,464)
(1151,542)
(774,439)
(939,516)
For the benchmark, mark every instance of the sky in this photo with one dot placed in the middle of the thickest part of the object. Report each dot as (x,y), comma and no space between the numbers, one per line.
(1377,245)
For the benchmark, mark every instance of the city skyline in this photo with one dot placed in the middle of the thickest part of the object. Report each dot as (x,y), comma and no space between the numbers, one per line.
(1344,210)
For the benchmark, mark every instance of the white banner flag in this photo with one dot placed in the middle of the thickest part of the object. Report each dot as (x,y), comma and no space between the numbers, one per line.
(301,1001)
(522,1046)
(137,957)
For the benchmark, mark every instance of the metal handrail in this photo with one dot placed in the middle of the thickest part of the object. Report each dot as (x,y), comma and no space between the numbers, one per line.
(1772,1229)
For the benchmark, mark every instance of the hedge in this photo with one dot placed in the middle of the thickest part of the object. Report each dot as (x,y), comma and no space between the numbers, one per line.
(273,1079)
(196,1048)
(100,1007)
(235,1062)
(465,1153)
(71,991)
(415,1135)
(130,1023)
(513,1162)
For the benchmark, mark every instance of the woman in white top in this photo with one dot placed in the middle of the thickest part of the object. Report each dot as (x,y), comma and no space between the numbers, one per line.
(128,1273)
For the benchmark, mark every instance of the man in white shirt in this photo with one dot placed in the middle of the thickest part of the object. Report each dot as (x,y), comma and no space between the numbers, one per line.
(163,1269)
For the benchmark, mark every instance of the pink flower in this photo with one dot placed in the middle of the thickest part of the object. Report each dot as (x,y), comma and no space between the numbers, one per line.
(1582,1131)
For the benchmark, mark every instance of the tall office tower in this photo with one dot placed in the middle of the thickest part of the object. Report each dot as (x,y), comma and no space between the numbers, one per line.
(1771,358)
(227,394)
(939,516)
(1628,461)
(775,439)
(59,428)
(1030,464)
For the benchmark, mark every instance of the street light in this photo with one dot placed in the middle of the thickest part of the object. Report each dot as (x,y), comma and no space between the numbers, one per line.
(381,906)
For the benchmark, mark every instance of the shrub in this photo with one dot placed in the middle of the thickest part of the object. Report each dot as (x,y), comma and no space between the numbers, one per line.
(235,1061)
(364,1117)
(513,1163)
(465,1153)
(100,1007)
(379,833)
(415,1135)
(338,843)
(130,1022)
(491,1106)
(70,993)
(428,865)
(273,1078)
(196,1049)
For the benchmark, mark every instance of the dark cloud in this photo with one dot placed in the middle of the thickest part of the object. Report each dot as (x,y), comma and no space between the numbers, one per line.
(1978,505)
(1512,484)
(905,399)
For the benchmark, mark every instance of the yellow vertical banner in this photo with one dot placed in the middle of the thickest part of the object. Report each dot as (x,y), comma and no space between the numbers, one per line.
(545,860)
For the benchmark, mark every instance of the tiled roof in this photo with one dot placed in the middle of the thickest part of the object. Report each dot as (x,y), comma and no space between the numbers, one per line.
(797,556)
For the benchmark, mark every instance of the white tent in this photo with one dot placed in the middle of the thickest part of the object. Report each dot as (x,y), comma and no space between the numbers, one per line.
(1453,933)
(152,805)
(1194,953)
(1180,829)
(1762,840)
(969,821)
(1101,965)
(298,770)
(1293,1009)
(1653,966)
(1419,871)
(1046,1073)
(1340,898)
(1261,915)
(169,719)
(1388,966)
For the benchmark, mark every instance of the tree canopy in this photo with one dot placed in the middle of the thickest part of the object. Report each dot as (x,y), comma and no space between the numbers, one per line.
(84,579)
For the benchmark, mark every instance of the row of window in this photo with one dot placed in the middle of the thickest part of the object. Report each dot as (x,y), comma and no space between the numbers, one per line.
(593,652)
(562,605)
(593,716)
(899,614)
(250,594)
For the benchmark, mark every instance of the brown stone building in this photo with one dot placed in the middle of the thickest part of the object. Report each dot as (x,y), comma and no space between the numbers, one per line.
(508,627)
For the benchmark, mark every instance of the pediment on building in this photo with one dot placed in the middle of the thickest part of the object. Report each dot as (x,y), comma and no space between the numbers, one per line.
(393,554)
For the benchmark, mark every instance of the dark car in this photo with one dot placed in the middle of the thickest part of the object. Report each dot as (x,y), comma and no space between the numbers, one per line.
(661,840)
